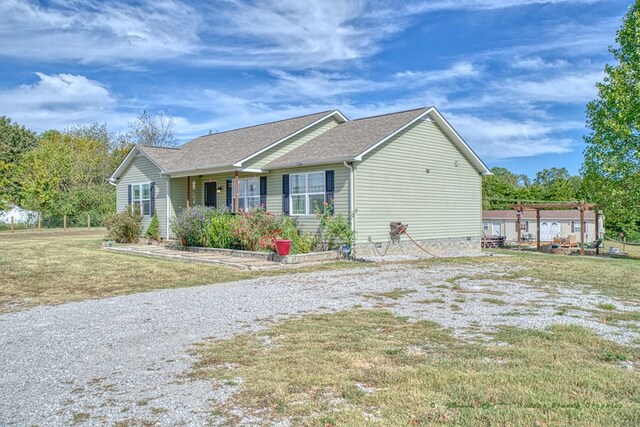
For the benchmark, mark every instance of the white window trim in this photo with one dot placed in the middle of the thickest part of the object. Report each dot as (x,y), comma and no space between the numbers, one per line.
(245,197)
(308,209)
(133,202)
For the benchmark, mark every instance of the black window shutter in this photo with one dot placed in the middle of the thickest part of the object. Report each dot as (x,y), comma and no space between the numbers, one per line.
(152,192)
(329,187)
(263,192)
(285,194)
(228,194)
(129,199)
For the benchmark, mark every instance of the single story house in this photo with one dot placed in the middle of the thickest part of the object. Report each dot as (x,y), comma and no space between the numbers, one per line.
(553,223)
(410,166)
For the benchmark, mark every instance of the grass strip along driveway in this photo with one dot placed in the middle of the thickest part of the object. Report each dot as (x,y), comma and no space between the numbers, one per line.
(369,367)
(53,268)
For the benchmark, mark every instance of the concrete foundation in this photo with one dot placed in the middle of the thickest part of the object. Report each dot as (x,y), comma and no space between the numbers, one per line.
(452,246)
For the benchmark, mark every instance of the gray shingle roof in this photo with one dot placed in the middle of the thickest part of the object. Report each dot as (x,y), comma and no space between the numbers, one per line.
(226,148)
(164,157)
(347,140)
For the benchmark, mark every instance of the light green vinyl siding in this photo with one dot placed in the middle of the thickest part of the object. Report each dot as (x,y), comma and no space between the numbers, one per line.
(178,195)
(309,222)
(142,171)
(279,150)
(392,184)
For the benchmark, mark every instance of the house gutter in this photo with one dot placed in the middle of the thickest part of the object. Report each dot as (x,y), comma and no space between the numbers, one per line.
(351,195)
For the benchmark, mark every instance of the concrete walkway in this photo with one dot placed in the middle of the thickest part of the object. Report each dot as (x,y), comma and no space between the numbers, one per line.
(220,258)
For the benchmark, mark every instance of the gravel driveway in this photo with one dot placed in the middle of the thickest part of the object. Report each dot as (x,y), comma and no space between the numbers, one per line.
(125,359)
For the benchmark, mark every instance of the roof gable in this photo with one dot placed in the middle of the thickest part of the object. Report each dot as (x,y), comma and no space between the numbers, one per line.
(161,157)
(232,148)
(355,139)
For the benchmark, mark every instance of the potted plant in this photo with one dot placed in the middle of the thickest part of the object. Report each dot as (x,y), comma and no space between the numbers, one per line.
(283,246)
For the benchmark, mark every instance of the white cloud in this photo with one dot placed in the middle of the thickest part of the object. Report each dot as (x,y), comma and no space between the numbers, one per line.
(95,31)
(298,34)
(460,70)
(500,138)
(436,5)
(59,100)
(536,63)
(563,89)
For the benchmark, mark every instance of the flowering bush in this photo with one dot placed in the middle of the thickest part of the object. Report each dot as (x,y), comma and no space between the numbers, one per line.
(254,230)
(257,228)
(190,225)
(125,226)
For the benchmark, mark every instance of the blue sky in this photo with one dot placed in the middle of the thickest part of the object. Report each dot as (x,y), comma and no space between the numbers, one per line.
(512,76)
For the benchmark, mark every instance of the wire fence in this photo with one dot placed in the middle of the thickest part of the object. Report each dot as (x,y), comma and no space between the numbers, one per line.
(37,221)
(622,242)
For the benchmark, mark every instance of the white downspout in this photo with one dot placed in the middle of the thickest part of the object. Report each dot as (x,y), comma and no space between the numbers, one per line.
(168,207)
(351,195)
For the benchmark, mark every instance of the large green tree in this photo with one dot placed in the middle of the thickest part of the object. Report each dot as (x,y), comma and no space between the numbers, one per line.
(611,169)
(15,141)
(556,184)
(66,174)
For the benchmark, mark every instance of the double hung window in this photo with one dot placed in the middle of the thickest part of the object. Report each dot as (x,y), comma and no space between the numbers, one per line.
(307,193)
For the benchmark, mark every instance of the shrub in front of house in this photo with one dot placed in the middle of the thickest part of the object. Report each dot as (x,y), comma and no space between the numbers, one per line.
(153,231)
(125,226)
(257,228)
(190,225)
(220,230)
(335,230)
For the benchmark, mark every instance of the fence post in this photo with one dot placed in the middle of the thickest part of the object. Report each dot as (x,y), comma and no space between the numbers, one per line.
(39,221)
(12,227)
(64,222)
(89,221)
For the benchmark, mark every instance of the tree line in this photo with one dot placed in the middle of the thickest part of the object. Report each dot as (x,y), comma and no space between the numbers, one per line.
(504,188)
(67,172)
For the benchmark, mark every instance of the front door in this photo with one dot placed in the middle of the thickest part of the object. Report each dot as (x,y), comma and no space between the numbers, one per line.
(210,194)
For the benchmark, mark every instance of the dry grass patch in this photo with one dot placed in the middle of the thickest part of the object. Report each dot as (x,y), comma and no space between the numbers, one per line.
(615,277)
(56,268)
(368,367)
(394,294)
(496,301)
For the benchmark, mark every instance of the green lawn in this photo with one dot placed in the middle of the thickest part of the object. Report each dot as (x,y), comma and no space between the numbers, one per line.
(56,267)
(368,367)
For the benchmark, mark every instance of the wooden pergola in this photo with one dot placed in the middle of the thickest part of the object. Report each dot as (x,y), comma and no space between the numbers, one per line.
(521,207)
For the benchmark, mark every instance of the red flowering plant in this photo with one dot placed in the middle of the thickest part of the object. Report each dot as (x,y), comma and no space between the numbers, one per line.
(257,229)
